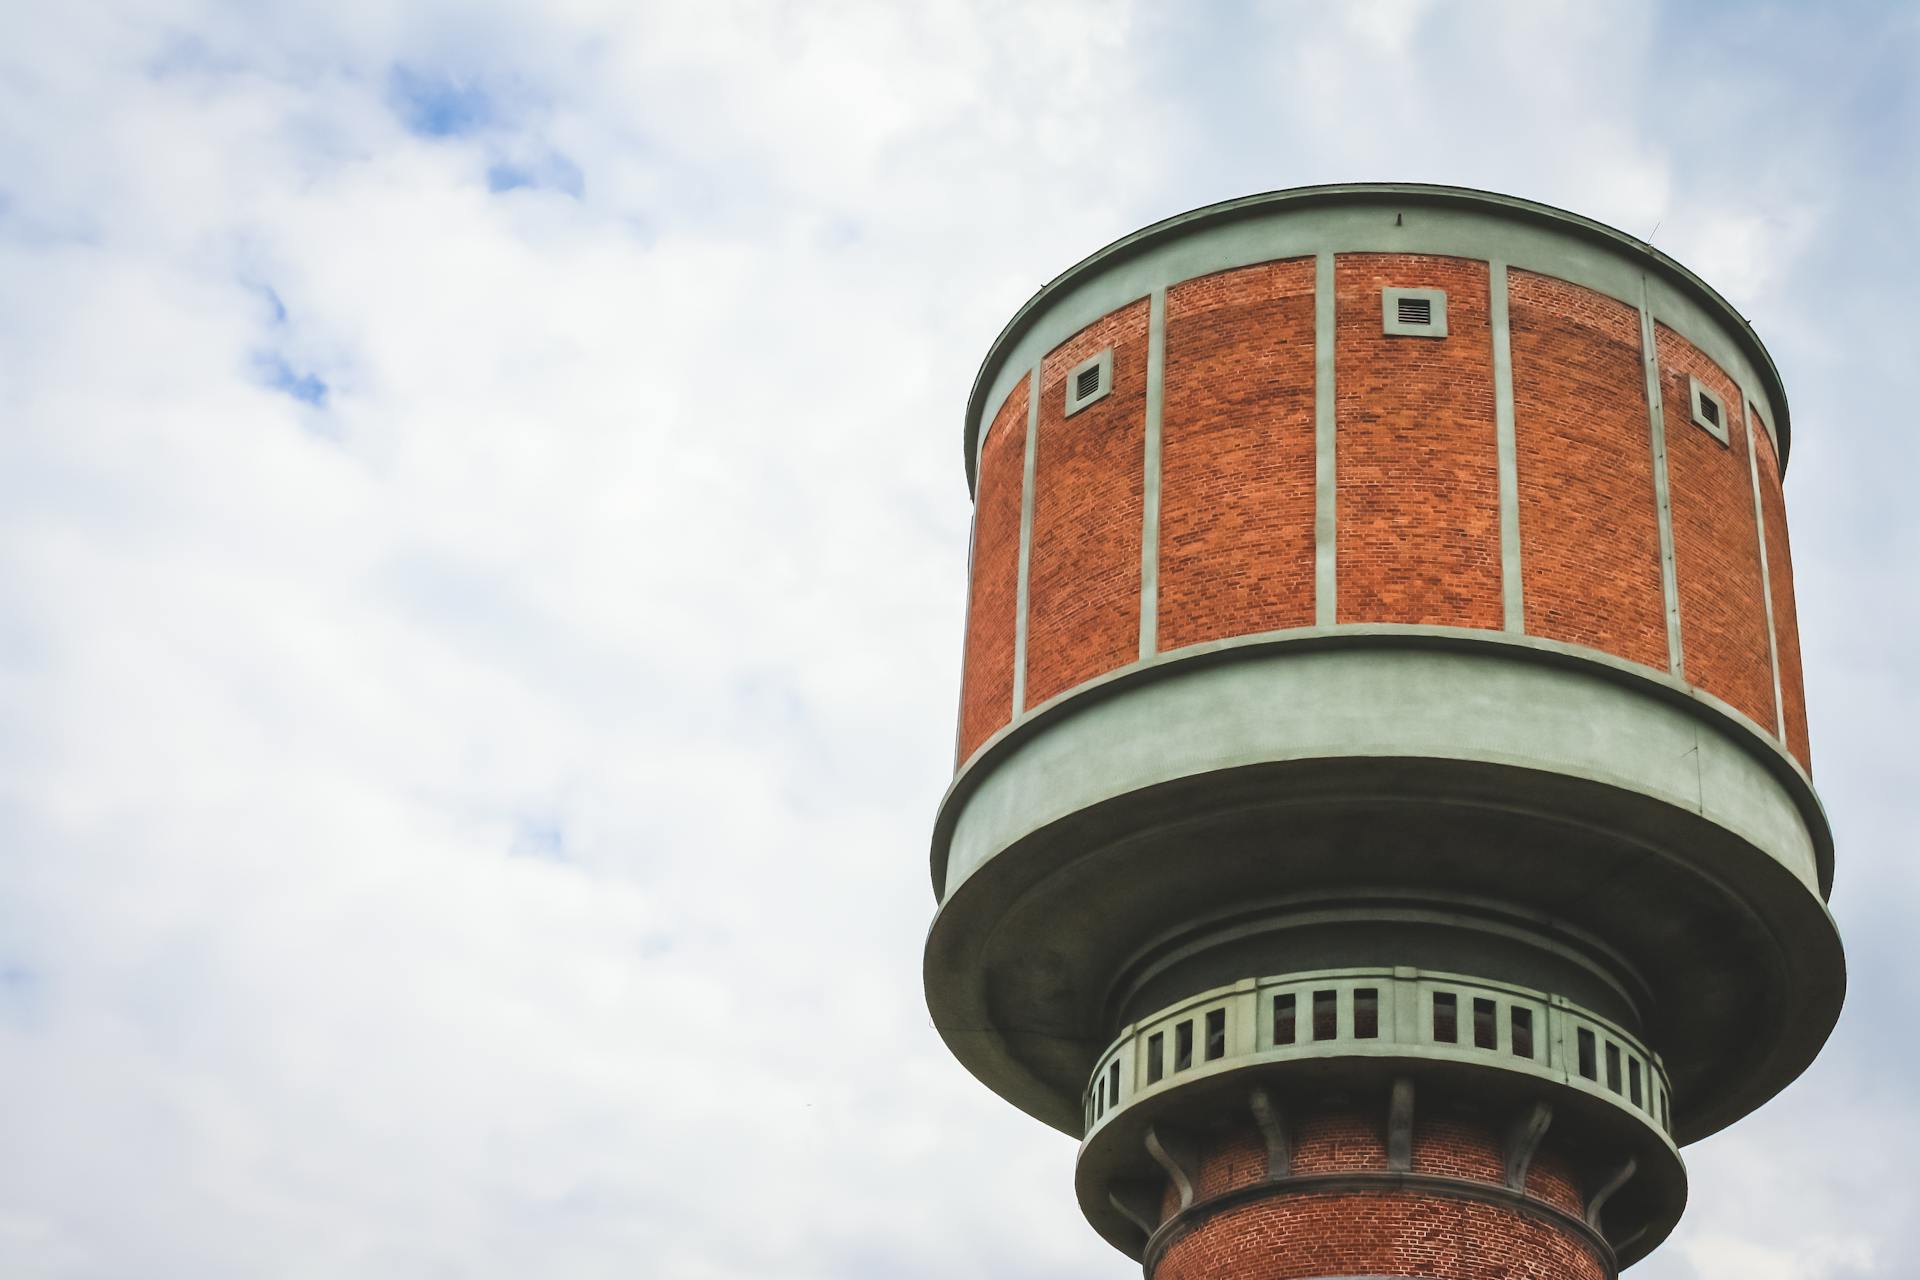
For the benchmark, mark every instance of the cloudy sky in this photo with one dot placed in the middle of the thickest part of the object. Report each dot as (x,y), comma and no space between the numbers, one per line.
(482,535)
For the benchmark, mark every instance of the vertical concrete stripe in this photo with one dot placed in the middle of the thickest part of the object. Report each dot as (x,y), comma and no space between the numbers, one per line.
(1766,577)
(1514,606)
(1657,425)
(1026,546)
(966,634)
(1325,493)
(1150,478)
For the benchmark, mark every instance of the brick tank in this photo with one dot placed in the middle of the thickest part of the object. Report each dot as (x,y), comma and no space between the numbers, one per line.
(1382,832)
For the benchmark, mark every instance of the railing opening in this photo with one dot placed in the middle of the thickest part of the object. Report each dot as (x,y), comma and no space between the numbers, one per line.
(1522,1032)
(1326,1015)
(1283,1006)
(1366,1013)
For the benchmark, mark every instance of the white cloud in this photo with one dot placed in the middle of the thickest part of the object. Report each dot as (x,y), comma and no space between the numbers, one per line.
(476,824)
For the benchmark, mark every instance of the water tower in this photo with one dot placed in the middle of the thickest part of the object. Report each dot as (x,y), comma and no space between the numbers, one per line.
(1383,833)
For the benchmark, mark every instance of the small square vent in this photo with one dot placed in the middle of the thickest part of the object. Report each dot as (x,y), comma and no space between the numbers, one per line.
(1089,381)
(1709,414)
(1414,313)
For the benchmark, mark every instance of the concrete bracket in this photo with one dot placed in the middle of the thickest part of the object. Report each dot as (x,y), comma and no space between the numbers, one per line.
(1273,1127)
(1400,1126)
(1523,1140)
(1177,1156)
(1598,1201)
(1137,1202)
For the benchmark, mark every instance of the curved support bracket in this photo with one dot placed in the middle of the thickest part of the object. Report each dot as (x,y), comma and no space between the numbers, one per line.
(1137,1203)
(1273,1127)
(1523,1141)
(1598,1200)
(1400,1126)
(1177,1157)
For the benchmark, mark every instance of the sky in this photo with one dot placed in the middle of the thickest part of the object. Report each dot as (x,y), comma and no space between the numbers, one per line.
(482,551)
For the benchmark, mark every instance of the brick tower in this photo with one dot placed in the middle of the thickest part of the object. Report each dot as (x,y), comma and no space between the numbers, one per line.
(1383,831)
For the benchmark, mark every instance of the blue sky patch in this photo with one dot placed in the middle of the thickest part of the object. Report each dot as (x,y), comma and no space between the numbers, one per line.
(550,172)
(275,372)
(434,105)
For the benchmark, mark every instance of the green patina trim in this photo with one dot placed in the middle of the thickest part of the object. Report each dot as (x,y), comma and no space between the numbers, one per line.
(1513,605)
(1326,493)
(1766,577)
(1662,495)
(1449,220)
(1741,734)
(1026,546)
(1150,477)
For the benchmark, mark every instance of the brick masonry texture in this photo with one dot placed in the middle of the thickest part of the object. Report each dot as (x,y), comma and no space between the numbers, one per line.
(1377,1233)
(1589,522)
(1416,462)
(1083,579)
(986,682)
(1417,502)
(1786,619)
(1387,1232)
(1237,454)
(1716,545)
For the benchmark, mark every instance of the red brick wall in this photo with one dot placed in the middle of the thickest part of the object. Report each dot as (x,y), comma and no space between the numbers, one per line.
(1589,523)
(1237,454)
(1339,1142)
(1786,619)
(1418,519)
(986,680)
(1385,1232)
(1377,1233)
(1083,583)
(1716,546)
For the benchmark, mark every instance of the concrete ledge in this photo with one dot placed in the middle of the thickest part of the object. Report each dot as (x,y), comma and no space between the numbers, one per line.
(1383,691)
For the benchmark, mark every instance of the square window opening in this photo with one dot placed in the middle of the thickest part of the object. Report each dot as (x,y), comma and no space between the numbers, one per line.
(1446,1017)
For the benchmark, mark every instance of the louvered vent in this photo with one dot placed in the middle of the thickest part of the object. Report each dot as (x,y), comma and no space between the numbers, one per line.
(1414,313)
(1709,414)
(1089,381)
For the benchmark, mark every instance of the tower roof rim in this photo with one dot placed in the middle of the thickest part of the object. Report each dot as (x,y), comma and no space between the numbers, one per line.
(1355,193)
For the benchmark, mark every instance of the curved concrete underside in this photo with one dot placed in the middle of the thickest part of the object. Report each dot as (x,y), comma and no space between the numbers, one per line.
(1252,782)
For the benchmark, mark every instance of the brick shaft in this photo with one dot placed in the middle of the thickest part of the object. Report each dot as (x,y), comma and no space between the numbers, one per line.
(1352,1229)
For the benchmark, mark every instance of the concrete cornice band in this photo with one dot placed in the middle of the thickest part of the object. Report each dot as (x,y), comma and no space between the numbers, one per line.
(1085,746)
(1309,221)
